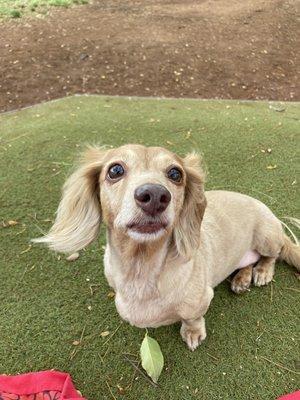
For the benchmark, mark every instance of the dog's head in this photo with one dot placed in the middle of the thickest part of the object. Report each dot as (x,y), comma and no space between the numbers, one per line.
(145,193)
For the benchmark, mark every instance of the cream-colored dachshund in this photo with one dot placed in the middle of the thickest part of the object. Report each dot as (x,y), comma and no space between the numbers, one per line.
(169,243)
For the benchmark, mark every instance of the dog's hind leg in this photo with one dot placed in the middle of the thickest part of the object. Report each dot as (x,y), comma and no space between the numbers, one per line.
(264,271)
(268,242)
(242,280)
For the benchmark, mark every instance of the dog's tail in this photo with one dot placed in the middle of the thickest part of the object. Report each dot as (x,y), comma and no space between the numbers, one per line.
(290,251)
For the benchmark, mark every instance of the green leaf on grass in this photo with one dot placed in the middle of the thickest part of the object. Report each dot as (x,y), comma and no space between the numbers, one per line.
(152,358)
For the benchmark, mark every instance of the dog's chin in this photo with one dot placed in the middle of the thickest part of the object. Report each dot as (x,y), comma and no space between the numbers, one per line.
(147,231)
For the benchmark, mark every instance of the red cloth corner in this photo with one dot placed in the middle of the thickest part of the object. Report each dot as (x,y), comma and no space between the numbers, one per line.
(291,396)
(45,385)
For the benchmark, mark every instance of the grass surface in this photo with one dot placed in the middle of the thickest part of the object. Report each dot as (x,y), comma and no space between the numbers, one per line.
(18,8)
(46,302)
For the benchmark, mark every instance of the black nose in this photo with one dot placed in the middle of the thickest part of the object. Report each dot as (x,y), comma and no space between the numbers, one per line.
(153,199)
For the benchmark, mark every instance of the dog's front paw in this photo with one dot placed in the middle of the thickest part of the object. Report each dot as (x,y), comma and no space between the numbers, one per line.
(193,335)
(242,280)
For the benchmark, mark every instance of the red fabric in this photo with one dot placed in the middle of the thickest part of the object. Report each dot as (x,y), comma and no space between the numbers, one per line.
(46,385)
(292,396)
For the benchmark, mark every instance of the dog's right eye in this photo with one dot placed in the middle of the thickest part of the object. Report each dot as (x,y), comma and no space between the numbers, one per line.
(115,171)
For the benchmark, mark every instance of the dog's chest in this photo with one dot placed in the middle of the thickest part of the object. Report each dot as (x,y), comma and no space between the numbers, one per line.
(148,309)
(146,297)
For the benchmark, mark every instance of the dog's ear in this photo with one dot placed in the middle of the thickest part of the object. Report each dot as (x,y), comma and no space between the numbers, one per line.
(187,229)
(78,215)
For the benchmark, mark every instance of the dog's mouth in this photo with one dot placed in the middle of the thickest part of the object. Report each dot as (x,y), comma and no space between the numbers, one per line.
(147,226)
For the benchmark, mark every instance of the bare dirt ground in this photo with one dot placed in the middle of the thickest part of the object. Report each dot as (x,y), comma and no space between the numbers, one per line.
(190,48)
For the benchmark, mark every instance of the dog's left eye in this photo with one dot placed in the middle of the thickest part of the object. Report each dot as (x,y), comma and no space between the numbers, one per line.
(175,175)
(115,171)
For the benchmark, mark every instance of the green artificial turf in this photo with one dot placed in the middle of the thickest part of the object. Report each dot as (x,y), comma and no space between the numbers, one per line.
(46,302)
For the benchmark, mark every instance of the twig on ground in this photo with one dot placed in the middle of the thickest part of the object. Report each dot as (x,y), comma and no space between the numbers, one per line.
(243,188)
(280,365)
(61,163)
(3,193)
(101,358)
(37,226)
(213,357)
(85,339)
(129,386)
(292,288)
(24,273)
(56,173)
(26,250)
(114,332)
(110,391)
(18,137)
(140,371)
(104,355)
(130,354)
(23,230)
(75,351)
(271,292)
(259,336)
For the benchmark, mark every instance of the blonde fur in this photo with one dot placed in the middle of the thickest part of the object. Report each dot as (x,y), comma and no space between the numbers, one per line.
(78,216)
(168,276)
(290,253)
(187,231)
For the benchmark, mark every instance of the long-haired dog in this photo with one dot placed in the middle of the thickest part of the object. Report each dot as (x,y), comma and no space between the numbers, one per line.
(169,243)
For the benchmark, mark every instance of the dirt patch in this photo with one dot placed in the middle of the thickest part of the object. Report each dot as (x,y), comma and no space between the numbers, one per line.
(196,48)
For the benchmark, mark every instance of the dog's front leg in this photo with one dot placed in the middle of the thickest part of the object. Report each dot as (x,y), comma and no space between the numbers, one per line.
(193,332)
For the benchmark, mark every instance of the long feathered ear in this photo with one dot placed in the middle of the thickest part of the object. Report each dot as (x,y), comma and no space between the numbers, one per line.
(78,215)
(187,230)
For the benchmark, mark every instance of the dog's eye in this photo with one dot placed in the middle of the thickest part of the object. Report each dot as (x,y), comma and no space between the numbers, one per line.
(115,171)
(175,175)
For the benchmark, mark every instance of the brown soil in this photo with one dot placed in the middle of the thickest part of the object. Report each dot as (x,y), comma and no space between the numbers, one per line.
(241,49)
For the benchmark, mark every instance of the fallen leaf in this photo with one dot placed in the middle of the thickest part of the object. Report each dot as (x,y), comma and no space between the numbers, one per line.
(73,257)
(83,56)
(272,166)
(120,389)
(169,143)
(12,223)
(76,342)
(111,295)
(269,150)
(104,334)
(152,358)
